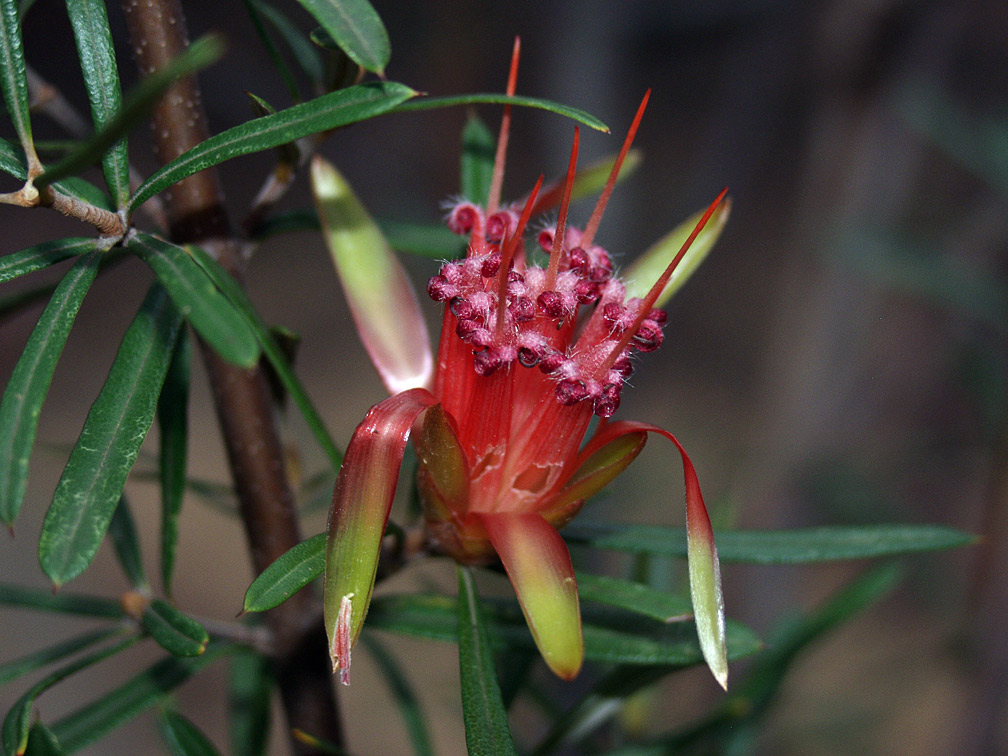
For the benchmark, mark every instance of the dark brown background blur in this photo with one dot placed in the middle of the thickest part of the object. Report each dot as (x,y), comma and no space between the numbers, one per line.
(840,357)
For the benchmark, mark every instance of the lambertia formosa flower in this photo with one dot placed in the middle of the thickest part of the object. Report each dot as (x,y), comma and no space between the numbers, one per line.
(527,357)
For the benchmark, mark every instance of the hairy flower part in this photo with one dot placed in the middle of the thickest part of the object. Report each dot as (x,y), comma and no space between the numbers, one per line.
(528,355)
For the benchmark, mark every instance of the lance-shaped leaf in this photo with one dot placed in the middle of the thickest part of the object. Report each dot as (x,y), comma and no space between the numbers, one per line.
(356,28)
(380,296)
(539,567)
(793,546)
(13,80)
(250,689)
(116,426)
(647,269)
(236,295)
(588,181)
(42,742)
(486,726)
(327,112)
(150,687)
(209,311)
(123,532)
(29,383)
(101,78)
(174,631)
(18,720)
(199,54)
(183,737)
(634,597)
(362,500)
(173,423)
(42,256)
(476,169)
(404,695)
(432,103)
(14,669)
(611,636)
(702,556)
(291,572)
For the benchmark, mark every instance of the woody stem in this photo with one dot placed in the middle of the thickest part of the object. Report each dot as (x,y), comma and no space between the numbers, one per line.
(196,213)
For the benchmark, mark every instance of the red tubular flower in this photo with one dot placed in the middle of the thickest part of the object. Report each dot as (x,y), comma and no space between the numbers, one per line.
(527,356)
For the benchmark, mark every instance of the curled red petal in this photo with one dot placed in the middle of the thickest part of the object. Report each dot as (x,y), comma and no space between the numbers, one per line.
(704,567)
(360,509)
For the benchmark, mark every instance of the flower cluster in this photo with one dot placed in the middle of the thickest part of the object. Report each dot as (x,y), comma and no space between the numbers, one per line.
(528,355)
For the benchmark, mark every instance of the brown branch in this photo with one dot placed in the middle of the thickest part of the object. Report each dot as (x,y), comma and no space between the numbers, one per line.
(196,213)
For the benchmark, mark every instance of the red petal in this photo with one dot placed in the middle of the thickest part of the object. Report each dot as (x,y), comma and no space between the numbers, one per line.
(704,568)
(539,566)
(360,510)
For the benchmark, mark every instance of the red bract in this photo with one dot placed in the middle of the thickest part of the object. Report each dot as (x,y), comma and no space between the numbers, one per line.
(527,356)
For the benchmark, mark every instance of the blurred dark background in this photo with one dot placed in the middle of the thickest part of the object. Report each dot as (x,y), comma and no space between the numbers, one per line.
(839,358)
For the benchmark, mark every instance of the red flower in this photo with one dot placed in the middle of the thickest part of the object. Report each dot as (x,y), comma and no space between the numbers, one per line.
(527,356)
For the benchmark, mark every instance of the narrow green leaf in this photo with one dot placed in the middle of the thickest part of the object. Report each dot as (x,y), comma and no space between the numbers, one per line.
(42,742)
(404,696)
(147,689)
(797,546)
(62,603)
(117,424)
(175,632)
(234,293)
(249,701)
(254,9)
(647,268)
(612,637)
(14,669)
(486,726)
(423,239)
(173,424)
(287,575)
(29,383)
(478,151)
(329,111)
(19,718)
(122,530)
(634,597)
(135,107)
(607,697)
(356,28)
(304,51)
(13,79)
(101,78)
(183,737)
(42,256)
(206,309)
(432,103)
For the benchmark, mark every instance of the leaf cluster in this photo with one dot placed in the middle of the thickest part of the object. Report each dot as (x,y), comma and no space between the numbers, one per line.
(634,632)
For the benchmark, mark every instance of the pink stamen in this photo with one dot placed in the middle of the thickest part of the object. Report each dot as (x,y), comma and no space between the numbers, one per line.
(507,254)
(648,302)
(561,227)
(497,181)
(596,217)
